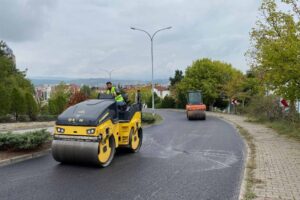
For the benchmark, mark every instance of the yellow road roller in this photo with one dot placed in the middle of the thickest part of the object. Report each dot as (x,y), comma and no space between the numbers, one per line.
(89,132)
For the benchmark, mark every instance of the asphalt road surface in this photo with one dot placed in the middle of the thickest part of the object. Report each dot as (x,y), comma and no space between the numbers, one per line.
(179,159)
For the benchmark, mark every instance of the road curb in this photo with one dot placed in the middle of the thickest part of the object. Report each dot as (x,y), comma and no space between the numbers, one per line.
(248,154)
(24,157)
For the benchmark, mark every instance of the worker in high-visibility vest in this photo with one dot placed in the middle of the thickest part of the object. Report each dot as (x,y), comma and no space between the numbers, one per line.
(119,98)
(110,89)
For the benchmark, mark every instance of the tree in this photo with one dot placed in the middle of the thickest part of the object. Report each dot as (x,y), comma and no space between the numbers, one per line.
(276,48)
(208,76)
(86,90)
(145,93)
(31,106)
(17,105)
(157,101)
(168,102)
(77,97)
(57,105)
(12,82)
(59,99)
(4,100)
(177,77)
(234,87)
(94,94)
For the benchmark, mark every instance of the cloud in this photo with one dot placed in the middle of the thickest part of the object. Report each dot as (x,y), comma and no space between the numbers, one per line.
(79,38)
(24,20)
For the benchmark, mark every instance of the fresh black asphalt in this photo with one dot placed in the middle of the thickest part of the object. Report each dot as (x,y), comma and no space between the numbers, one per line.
(179,159)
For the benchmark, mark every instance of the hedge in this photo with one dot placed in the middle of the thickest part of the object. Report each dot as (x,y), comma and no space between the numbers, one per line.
(23,141)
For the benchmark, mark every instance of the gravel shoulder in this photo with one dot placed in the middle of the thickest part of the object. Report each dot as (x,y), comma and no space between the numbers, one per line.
(277,161)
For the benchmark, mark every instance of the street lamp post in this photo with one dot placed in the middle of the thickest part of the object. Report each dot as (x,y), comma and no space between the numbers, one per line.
(151,39)
(109,73)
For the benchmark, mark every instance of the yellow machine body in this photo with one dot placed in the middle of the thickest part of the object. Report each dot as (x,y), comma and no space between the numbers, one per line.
(120,130)
(75,143)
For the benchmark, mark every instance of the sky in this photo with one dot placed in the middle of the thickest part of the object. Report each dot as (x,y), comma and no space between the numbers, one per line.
(83,38)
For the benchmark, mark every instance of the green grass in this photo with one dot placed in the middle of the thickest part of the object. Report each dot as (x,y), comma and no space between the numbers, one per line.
(149,119)
(251,165)
(288,129)
(282,127)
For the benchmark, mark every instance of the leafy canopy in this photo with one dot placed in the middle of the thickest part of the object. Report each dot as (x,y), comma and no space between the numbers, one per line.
(276,48)
(208,76)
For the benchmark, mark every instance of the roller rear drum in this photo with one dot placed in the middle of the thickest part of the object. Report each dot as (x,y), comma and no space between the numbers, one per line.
(196,115)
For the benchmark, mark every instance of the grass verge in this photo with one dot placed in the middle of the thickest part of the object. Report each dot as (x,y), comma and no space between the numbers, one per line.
(282,127)
(149,119)
(251,165)
(291,130)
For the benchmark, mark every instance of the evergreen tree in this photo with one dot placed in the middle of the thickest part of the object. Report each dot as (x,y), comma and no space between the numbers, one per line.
(17,105)
(4,100)
(31,106)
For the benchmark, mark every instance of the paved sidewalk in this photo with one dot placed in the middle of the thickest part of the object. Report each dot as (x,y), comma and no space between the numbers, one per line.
(277,161)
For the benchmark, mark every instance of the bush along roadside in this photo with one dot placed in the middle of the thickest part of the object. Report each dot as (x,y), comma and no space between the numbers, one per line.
(148,118)
(266,110)
(25,141)
(26,118)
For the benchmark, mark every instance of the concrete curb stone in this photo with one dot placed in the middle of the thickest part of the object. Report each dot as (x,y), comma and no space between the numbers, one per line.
(24,157)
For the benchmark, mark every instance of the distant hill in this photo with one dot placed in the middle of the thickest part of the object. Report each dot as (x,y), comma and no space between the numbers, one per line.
(90,81)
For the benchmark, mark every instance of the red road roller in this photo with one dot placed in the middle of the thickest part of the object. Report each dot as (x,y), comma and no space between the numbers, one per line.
(195,109)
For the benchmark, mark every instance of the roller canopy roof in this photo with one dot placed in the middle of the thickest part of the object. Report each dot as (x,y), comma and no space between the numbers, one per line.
(86,113)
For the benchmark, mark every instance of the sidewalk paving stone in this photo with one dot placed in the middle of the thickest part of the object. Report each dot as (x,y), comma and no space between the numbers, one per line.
(277,161)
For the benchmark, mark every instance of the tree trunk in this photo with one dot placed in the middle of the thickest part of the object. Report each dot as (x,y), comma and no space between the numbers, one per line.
(293,111)
(293,106)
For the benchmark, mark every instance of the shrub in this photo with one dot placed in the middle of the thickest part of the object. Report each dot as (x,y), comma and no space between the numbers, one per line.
(44,109)
(168,102)
(157,101)
(265,108)
(6,119)
(148,118)
(23,118)
(46,118)
(25,141)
